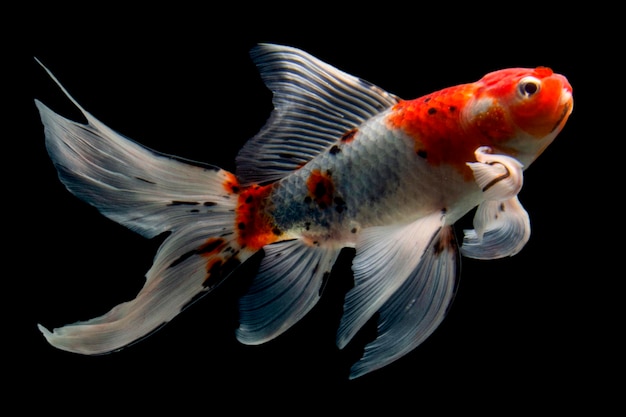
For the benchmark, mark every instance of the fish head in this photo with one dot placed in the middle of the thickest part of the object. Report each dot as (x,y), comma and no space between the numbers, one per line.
(520,110)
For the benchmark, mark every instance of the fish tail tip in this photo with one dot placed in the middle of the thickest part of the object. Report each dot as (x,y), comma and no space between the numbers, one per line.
(47,333)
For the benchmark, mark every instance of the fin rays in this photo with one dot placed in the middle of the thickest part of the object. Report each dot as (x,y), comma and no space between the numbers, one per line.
(315,104)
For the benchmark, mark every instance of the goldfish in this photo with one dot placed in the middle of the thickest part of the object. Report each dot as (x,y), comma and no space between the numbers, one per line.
(340,163)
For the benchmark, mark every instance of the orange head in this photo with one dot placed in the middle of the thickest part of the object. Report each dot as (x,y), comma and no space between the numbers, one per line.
(519,110)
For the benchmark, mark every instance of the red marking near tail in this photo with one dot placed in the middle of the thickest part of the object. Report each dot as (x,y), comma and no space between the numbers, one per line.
(253,221)
(231,184)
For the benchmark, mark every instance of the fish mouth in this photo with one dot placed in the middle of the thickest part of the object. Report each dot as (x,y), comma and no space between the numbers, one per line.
(567,109)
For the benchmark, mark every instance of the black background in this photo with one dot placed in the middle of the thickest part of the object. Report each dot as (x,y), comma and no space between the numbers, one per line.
(524,332)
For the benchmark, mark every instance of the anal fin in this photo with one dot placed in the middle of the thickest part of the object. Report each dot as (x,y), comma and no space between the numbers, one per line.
(289,283)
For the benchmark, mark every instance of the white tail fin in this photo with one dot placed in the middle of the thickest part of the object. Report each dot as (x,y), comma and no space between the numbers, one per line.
(150,193)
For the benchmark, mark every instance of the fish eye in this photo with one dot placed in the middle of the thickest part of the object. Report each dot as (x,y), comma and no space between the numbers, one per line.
(529,86)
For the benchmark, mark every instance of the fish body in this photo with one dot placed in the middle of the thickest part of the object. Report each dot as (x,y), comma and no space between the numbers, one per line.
(340,163)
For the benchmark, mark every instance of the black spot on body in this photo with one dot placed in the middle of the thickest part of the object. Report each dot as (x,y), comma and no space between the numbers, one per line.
(320,190)
(335,150)
(340,204)
(183,203)
(249,199)
(241,226)
(452,109)
(432,110)
(209,203)
(422,153)
(307,200)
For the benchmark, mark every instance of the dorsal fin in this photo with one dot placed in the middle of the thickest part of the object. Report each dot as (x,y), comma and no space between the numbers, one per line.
(314,105)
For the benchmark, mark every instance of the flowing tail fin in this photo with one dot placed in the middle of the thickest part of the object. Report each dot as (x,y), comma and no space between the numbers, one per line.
(150,193)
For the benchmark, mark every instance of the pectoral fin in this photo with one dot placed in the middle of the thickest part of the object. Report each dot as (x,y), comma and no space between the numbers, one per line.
(501,225)
(501,228)
(289,283)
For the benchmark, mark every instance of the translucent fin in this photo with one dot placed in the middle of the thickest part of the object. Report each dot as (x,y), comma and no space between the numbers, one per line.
(187,265)
(416,308)
(501,225)
(386,257)
(289,283)
(314,105)
(146,191)
(150,193)
(501,228)
(500,177)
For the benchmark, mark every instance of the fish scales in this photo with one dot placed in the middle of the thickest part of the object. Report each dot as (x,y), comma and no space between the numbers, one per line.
(372,180)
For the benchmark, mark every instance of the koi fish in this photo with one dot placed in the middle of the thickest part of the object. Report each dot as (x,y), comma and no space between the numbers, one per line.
(340,163)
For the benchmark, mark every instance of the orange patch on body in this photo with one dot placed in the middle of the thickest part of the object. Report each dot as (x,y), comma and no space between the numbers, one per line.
(434,123)
(321,188)
(253,222)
